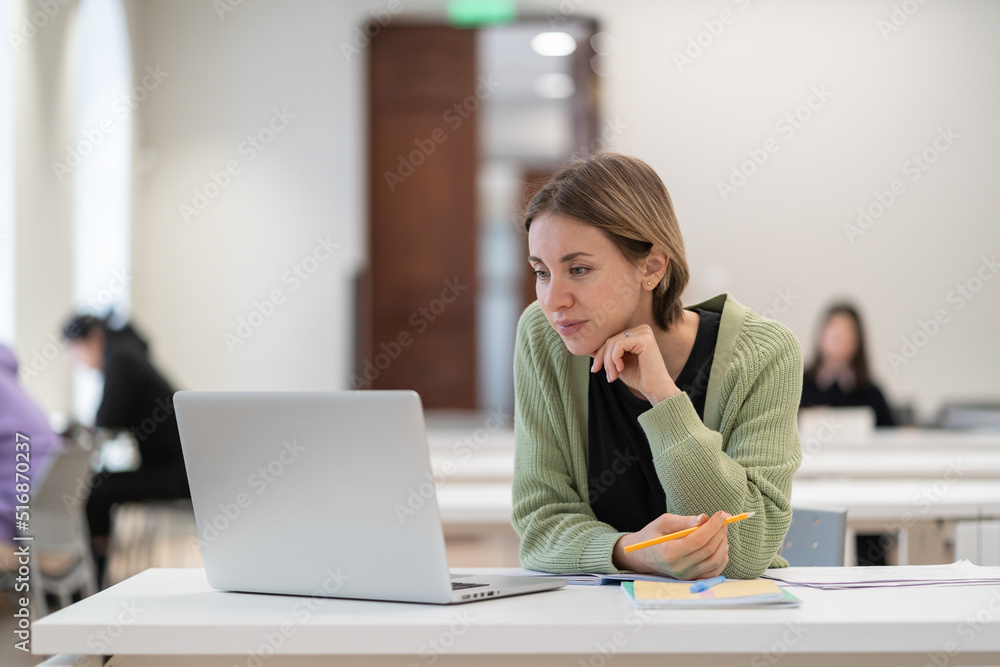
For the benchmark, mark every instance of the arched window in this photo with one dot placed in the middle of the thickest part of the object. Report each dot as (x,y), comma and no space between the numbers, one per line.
(106,100)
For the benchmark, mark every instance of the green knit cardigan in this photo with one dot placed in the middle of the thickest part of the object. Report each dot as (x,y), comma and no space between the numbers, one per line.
(740,459)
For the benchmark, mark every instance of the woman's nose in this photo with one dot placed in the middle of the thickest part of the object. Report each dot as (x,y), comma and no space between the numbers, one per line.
(556,294)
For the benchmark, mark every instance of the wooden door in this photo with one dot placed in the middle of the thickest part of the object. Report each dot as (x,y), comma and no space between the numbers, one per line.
(418,314)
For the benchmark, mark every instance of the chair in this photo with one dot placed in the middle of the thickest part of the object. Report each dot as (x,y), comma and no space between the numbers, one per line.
(59,526)
(815,538)
(970,416)
(137,525)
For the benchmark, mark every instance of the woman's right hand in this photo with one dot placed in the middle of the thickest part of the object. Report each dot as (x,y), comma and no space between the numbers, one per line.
(701,555)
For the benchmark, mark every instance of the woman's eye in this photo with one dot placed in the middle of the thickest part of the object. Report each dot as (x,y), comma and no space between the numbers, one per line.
(578,270)
(541,275)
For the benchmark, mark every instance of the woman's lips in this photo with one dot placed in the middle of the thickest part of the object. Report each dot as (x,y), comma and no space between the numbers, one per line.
(569,327)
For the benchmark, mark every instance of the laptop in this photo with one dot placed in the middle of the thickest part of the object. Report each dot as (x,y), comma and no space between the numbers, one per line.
(327,494)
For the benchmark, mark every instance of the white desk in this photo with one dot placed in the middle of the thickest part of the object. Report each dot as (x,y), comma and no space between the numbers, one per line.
(913,438)
(172,617)
(885,500)
(885,454)
(885,462)
(900,500)
(873,505)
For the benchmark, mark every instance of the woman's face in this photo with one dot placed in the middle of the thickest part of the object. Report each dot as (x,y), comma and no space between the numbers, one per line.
(89,351)
(585,286)
(839,340)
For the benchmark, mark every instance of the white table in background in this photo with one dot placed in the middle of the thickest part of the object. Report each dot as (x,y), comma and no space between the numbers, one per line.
(171,617)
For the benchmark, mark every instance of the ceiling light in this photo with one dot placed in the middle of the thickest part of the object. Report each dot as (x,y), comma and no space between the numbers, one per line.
(553,43)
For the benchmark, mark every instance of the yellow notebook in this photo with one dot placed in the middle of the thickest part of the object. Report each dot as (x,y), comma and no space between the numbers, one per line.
(735,593)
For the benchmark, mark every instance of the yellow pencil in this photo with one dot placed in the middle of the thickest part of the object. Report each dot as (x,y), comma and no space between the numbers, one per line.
(682,533)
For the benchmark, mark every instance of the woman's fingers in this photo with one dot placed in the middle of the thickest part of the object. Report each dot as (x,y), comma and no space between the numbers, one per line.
(598,359)
(609,360)
(698,552)
(708,557)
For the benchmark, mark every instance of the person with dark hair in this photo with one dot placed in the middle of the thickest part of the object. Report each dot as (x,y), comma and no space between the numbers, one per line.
(839,375)
(635,416)
(137,398)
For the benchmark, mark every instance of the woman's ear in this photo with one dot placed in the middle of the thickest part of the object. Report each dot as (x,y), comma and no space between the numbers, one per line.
(656,267)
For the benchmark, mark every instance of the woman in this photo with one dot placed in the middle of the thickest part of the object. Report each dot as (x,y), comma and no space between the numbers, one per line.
(839,373)
(839,377)
(636,417)
(137,398)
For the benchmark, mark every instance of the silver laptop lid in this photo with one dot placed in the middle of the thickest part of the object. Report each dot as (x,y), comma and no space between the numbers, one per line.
(309,493)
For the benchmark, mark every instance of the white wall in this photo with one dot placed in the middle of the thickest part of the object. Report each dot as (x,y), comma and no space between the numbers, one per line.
(224,78)
(782,232)
(44,77)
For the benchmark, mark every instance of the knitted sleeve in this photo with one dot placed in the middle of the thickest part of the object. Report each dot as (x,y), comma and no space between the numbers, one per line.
(559,532)
(751,470)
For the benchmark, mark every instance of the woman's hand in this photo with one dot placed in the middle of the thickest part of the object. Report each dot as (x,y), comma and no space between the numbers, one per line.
(701,555)
(636,359)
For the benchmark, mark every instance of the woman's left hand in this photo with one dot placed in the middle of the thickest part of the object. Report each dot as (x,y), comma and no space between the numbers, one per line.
(636,359)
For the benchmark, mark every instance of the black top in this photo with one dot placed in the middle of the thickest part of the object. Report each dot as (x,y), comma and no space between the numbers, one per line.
(139,399)
(836,397)
(624,489)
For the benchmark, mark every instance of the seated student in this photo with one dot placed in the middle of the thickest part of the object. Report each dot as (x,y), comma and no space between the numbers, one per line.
(636,417)
(838,375)
(19,414)
(137,398)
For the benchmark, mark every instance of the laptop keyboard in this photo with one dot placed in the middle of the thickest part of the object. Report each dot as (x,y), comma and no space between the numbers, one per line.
(461,585)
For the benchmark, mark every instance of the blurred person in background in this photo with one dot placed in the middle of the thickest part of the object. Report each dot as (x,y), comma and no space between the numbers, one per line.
(839,377)
(137,398)
(37,446)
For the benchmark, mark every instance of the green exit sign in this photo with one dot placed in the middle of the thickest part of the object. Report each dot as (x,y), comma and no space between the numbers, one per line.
(470,13)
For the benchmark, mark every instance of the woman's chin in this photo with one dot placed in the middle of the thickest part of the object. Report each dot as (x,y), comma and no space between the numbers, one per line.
(578,347)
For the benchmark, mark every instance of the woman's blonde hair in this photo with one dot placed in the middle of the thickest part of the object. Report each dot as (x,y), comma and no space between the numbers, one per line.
(623,197)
